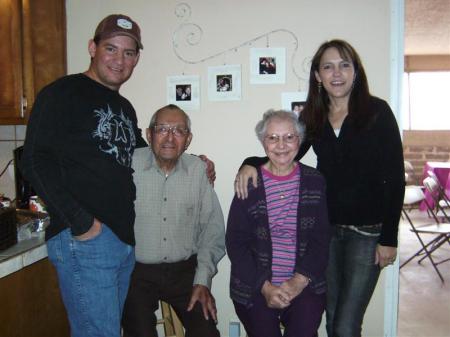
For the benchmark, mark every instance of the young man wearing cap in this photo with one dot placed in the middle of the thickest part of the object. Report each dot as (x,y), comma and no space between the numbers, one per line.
(78,150)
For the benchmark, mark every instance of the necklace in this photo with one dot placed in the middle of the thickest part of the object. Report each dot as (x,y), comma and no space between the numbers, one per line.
(282,204)
(280,188)
(282,192)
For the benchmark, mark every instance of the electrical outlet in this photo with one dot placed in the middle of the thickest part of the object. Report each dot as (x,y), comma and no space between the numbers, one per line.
(234,329)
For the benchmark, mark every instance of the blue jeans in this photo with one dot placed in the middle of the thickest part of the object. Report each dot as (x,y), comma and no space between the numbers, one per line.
(351,278)
(94,276)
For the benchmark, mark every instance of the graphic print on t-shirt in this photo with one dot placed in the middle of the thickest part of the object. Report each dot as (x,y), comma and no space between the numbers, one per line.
(116,134)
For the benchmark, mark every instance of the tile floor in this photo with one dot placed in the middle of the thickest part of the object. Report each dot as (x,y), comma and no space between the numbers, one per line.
(424,301)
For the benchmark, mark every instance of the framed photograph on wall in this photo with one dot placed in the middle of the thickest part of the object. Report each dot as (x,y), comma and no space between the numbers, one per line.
(224,83)
(184,91)
(293,101)
(268,65)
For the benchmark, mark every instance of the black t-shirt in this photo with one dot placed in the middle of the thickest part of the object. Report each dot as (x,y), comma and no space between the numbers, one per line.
(77,156)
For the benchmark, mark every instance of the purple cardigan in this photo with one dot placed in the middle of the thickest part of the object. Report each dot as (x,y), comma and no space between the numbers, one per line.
(249,244)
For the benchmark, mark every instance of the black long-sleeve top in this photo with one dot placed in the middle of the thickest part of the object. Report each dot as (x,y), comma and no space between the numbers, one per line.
(77,156)
(364,171)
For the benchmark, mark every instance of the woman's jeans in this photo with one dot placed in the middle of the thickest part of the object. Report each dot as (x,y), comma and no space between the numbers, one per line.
(93,278)
(351,278)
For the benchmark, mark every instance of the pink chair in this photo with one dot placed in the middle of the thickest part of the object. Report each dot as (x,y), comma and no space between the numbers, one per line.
(441,199)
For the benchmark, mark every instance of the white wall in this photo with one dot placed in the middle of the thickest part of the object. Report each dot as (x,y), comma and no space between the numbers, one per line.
(224,130)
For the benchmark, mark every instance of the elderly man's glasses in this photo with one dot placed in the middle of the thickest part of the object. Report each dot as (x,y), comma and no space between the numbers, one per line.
(164,129)
(287,138)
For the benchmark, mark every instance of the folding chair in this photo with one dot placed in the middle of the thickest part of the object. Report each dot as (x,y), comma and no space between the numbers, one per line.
(409,173)
(413,196)
(440,231)
(441,200)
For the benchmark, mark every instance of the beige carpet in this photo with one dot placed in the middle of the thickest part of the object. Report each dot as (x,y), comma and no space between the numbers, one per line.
(424,301)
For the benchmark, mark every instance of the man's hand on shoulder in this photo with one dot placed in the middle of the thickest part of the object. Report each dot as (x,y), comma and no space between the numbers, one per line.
(201,294)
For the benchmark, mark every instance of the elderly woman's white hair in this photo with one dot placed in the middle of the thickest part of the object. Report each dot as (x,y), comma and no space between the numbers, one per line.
(261,126)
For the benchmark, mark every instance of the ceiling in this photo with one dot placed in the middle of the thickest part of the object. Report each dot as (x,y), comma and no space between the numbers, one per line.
(427,27)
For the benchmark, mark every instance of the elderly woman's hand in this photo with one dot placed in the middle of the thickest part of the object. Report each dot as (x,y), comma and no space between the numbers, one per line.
(295,285)
(276,298)
(241,182)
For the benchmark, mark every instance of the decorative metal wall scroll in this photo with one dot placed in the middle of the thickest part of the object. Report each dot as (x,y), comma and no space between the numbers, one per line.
(190,34)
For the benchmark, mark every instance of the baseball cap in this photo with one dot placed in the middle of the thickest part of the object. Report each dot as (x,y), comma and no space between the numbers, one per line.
(119,24)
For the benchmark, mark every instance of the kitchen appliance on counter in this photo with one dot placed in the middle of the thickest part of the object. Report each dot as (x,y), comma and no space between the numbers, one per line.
(20,224)
(8,227)
(23,188)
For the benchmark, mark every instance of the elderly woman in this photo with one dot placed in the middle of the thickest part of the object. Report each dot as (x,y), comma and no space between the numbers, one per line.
(359,152)
(277,239)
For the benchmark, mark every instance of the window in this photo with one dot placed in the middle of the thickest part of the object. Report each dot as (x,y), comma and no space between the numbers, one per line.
(426,101)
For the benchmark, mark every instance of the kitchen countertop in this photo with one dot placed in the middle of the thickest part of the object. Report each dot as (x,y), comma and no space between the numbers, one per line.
(22,254)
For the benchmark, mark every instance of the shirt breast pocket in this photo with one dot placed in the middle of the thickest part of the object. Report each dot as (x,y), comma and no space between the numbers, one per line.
(186,221)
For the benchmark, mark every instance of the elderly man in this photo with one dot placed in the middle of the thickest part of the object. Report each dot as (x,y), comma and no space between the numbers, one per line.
(179,232)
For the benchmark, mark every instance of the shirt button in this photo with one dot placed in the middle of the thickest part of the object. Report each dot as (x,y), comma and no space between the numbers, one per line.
(165,239)
(165,257)
(164,219)
(165,199)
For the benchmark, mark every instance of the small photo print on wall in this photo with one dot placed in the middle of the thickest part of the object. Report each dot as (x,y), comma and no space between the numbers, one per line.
(184,91)
(297,107)
(267,65)
(224,83)
(293,101)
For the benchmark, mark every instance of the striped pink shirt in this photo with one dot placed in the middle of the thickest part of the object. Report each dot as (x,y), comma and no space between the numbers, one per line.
(282,196)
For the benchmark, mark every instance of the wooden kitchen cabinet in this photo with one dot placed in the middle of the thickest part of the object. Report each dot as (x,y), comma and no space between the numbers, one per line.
(33,53)
(31,304)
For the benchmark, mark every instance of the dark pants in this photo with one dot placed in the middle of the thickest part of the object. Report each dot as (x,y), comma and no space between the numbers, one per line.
(351,278)
(172,283)
(301,319)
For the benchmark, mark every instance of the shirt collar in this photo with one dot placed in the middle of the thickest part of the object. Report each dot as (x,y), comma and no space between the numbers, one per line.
(180,166)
